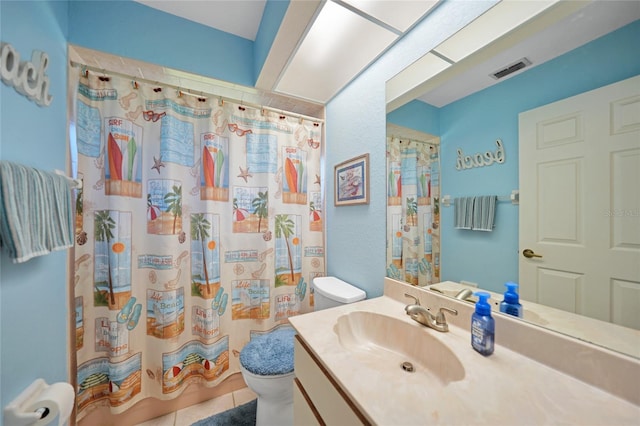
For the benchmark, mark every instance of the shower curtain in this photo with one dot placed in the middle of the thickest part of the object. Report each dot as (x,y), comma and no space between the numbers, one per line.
(413,211)
(199,225)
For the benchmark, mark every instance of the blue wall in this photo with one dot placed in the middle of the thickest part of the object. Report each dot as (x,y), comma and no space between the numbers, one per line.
(34,314)
(133,30)
(33,296)
(156,37)
(475,122)
(417,115)
(355,124)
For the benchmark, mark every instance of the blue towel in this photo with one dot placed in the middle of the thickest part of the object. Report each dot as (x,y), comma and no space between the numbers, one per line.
(463,212)
(36,211)
(269,354)
(484,212)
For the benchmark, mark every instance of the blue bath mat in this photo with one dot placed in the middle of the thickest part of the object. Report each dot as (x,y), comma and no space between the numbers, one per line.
(242,415)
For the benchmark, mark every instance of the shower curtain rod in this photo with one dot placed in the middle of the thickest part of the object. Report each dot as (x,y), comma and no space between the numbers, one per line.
(192,92)
(404,139)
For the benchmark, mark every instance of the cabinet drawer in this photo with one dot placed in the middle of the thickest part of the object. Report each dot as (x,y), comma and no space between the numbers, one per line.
(331,403)
(303,413)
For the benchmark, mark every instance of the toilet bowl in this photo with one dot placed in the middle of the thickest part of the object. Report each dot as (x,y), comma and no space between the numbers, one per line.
(275,397)
(266,362)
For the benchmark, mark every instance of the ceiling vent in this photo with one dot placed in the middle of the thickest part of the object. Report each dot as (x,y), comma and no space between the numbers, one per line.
(511,68)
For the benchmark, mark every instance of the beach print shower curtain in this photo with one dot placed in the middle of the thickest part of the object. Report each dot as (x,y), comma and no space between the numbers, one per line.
(199,225)
(413,211)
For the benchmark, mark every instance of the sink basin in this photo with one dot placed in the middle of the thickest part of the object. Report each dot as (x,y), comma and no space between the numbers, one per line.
(383,342)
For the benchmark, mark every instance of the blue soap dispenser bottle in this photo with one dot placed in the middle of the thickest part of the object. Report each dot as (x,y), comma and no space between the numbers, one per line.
(511,303)
(482,325)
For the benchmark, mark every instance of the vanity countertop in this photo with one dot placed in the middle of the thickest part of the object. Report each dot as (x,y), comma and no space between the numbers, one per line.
(504,388)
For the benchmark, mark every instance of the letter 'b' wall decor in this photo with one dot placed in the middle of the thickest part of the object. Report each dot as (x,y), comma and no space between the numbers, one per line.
(27,78)
(480,159)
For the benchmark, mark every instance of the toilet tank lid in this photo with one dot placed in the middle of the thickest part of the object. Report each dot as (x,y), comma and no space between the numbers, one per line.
(338,290)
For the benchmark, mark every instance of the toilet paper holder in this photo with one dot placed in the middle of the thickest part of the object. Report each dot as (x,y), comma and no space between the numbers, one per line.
(16,412)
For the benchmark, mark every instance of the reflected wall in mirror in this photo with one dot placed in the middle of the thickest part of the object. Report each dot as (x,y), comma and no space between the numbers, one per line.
(468,109)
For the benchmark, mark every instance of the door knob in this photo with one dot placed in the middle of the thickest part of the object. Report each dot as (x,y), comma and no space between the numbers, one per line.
(528,253)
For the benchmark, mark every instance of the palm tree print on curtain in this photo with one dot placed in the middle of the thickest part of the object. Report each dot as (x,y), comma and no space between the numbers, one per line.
(171,289)
(413,216)
(288,253)
(173,200)
(164,207)
(260,206)
(250,209)
(112,282)
(205,258)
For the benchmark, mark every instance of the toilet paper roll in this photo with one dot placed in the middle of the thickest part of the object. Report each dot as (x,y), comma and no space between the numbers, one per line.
(51,402)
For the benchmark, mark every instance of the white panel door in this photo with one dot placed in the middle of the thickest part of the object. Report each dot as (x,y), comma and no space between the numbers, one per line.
(580,203)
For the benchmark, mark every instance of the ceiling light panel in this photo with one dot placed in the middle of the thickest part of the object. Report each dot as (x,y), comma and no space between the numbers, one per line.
(496,22)
(337,47)
(399,14)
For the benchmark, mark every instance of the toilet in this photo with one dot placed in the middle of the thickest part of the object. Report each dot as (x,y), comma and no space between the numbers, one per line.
(266,362)
(331,291)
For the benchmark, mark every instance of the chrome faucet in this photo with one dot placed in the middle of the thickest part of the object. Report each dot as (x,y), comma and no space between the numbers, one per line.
(464,294)
(422,315)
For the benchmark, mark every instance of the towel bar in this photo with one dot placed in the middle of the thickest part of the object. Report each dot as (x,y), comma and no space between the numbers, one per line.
(77,183)
(514,197)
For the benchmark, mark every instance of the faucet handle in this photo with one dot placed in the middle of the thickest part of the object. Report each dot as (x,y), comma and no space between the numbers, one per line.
(440,318)
(416,300)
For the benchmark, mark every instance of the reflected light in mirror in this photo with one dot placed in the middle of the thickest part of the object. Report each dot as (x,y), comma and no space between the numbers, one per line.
(422,69)
(496,22)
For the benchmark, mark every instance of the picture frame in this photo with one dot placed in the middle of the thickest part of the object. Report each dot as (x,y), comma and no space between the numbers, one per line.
(351,181)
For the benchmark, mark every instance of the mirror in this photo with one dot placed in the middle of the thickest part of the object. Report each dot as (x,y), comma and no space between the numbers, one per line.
(570,52)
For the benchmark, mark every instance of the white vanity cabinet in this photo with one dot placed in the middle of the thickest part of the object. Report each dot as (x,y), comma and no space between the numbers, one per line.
(344,382)
(317,398)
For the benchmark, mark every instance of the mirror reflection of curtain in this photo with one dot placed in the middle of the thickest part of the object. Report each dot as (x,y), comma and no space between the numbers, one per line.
(413,211)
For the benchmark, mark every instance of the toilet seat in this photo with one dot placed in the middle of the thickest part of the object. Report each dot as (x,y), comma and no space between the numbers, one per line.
(250,375)
(269,354)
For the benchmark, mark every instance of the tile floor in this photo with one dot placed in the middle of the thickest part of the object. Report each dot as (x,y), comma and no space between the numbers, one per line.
(188,416)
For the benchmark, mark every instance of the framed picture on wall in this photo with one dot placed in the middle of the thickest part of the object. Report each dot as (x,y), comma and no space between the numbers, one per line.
(351,181)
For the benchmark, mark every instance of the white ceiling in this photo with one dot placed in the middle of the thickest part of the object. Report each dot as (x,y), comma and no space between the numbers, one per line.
(238,17)
(322,45)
